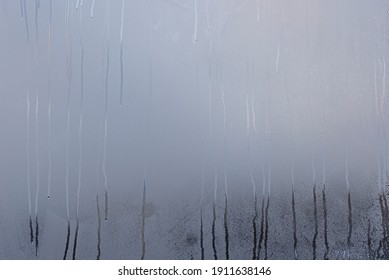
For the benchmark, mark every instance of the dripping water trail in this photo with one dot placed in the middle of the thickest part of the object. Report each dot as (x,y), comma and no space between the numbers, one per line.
(37,159)
(69,78)
(31,231)
(37,176)
(92,9)
(294,225)
(121,55)
(350,223)
(37,5)
(75,239)
(383,215)
(36,236)
(195,22)
(26,20)
(106,205)
(143,221)
(106,119)
(254,223)
(67,241)
(316,231)
(201,217)
(201,234)
(49,171)
(369,247)
(98,229)
(214,230)
(325,214)
(261,231)
(226,237)
(266,225)
(80,127)
(28,167)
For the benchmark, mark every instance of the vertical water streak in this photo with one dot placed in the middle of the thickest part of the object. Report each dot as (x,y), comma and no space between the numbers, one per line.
(104,167)
(278,56)
(69,78)
(294,221)
(261,232)
(37,173)
(80,129)
(37,5)
(346,163)
(75,239)
(92,9)
(369,245)
(28,166)
(325,214)
(195,22)
(262,225)
(26,20)
(226,235)
(253,115)
(258,10)
(213,230)
(143,219)
(49,171)
(37,158)
(98,229)
(201,218)
(316,224)
(67,241)
(254,224)
(121,54)
(350,224)
(226,232)
(266,226)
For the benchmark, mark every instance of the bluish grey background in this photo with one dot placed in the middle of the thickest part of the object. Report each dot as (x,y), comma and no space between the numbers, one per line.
(239,99)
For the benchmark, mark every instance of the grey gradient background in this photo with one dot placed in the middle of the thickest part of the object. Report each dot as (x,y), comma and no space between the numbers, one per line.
(305,93)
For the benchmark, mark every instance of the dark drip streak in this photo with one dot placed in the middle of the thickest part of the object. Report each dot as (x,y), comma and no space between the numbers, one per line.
(384,226)
(316,223)
(350,223)
(254,222)
(98,229)
(67,241)
(369,248)
(261,228)
(143,221)
(31,231)
(106,205)
(325,214)
(36,236)
(201,234)
(75,239)
(380,199)
(266,225)
(214,230)
(294,225)
(226,238)
(386,214)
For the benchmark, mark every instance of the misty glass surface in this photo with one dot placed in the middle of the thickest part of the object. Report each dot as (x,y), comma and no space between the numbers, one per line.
(194,129)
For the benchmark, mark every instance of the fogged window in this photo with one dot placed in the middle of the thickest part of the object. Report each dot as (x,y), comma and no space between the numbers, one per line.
(194,129)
